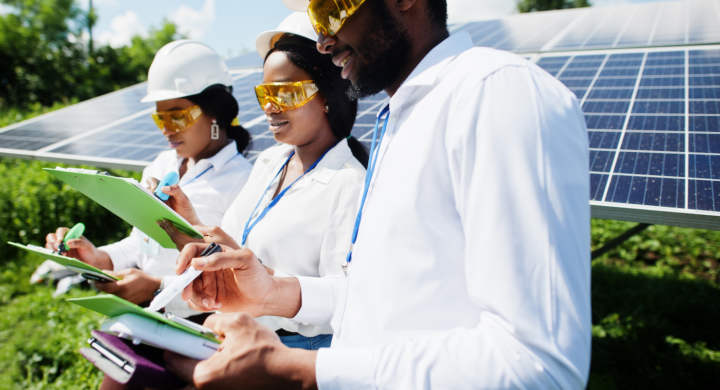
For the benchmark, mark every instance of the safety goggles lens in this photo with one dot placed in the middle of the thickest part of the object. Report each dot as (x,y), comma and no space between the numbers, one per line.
(328,16)
(177,120)
(286,95)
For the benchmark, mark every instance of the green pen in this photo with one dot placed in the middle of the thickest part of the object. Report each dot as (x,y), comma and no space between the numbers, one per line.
(75,232)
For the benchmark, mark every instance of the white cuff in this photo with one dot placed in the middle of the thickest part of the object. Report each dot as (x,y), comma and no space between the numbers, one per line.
(117,255)
(318,300)
(345,368)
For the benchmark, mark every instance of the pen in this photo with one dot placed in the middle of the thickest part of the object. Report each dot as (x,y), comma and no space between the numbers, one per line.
(170,179)
(173,289)
(75,232)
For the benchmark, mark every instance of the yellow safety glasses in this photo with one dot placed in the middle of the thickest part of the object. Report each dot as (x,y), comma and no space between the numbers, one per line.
(286,96)
(328,16)
(177,120)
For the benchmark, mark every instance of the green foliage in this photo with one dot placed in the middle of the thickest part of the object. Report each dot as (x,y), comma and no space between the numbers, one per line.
(40,335)
(544,5)
(33,204)
(45,60)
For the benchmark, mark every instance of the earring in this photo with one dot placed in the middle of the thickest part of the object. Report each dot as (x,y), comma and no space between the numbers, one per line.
(327,108)
(214,130)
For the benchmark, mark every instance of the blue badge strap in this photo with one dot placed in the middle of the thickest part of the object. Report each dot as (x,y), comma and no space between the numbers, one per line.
(248,225)
(374,151)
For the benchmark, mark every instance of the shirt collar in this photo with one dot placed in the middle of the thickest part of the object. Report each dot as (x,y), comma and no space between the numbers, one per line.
(218,160)
(431,66)
(334,159)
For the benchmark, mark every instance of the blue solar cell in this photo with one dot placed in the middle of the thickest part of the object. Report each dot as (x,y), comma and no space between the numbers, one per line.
(649,191)
(668,142)
(588,58)
(661,93)
(704,166)
(704,143)
(662,81)
(258,128)
(704,123)
(705,93)
(601,160)
(597,185)
(617,107)
(622,62)
(574,83)
(579,92)
(705,69)
(602,122)
(261,143)
(619,72)
(704,195)
(578,73)
(648,122)
(664,61)
(615,82)
(672,193)
(705,106)
(659,107)
(633,162)
(621,93)
(603,139)
(705,81)
(553,60)
(664,71)
(703,57)
(584,65)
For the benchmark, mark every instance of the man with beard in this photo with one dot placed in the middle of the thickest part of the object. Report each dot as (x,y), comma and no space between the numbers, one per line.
(469,266)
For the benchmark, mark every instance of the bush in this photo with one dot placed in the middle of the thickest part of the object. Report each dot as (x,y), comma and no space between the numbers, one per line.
(32,204)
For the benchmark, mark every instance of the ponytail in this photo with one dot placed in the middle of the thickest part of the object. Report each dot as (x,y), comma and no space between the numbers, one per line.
(218,102)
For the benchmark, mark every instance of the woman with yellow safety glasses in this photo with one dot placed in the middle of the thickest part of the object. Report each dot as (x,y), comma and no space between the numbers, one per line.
(296,211)
(191,88)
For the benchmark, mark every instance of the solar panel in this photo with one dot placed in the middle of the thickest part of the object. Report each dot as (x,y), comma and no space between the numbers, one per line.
(653,121)
(647,77)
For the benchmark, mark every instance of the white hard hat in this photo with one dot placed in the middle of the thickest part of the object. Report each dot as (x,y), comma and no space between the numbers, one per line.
(296,23)
(183,68)
(297,5)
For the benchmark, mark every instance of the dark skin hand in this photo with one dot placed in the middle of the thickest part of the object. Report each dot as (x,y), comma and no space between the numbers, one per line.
(250,357)
(134,285)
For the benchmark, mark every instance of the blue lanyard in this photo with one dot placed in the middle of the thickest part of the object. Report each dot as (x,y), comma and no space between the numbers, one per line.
(248,225)
(374,148)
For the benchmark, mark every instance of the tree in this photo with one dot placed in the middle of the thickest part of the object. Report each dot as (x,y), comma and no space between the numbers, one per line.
(544,5)
(45,60)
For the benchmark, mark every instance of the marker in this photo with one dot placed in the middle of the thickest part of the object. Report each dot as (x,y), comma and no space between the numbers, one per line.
(171,291)
(75,232)
(170,179)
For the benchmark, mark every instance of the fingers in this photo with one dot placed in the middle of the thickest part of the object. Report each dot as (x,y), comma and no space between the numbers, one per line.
(151,183)
(189,252)
(108,287)
(231,259)
(181,366)
(53,240)
(79,243)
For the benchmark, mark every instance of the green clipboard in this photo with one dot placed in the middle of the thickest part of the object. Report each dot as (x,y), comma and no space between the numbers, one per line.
(113,306)
(127,199)
(87,270)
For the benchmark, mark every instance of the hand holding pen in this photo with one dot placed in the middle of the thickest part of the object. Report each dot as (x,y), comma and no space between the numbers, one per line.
(74,244)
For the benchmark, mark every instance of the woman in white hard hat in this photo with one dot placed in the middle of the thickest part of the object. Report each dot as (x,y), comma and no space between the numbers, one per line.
(195,110)
(296,211)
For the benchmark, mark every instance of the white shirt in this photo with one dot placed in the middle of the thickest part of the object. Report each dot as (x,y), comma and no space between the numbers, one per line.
(308,230)
(211,185)
(472,263)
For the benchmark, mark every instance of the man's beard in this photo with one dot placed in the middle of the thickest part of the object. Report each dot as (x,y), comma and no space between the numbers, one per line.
(384,53)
